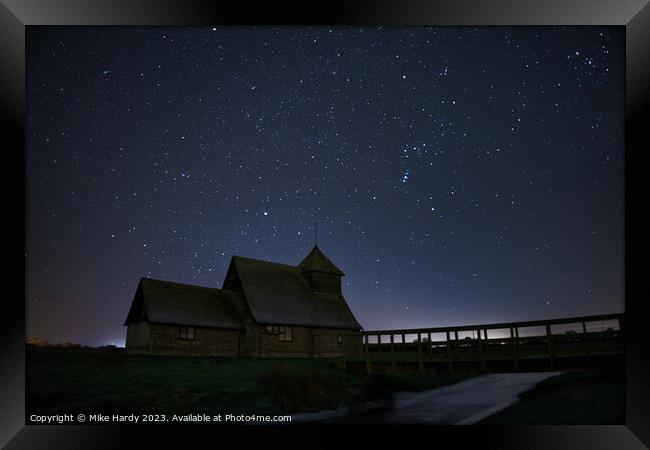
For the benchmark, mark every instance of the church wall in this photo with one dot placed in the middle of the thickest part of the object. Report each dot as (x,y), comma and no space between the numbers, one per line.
(137,337)
(165,339)
(328,345)
(270,345)
(249,341)
(257,341)
(306,342)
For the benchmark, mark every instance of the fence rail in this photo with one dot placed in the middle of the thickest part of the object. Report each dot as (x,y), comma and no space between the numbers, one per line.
(513,342)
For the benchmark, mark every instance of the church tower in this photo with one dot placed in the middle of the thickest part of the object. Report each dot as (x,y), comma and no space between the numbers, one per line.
(321,273)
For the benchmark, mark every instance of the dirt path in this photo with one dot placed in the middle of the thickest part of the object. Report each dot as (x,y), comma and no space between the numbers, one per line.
(462,403)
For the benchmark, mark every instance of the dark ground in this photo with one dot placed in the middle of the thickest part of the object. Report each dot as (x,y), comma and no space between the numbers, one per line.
(112,382)
(573,398)
(94,381)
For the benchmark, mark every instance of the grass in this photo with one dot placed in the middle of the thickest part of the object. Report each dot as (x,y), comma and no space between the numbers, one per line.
(78,381)
(572,398)
(86,381)
(412,382)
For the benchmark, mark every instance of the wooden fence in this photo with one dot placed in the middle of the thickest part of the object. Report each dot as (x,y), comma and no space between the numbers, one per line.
(511,345)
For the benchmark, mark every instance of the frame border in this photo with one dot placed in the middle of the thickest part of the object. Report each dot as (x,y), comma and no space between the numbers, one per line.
(16,15)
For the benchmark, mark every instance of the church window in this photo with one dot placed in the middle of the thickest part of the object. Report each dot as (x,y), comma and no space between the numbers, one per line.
(187,333)
(284,333)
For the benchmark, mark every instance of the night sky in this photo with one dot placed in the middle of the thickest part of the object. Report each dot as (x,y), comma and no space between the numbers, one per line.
(458,175)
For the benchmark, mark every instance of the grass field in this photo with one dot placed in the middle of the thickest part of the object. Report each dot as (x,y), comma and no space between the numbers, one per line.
(572,398)
(76,381)
(92,381)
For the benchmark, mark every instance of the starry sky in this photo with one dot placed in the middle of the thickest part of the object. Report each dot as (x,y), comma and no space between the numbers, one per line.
(458,175)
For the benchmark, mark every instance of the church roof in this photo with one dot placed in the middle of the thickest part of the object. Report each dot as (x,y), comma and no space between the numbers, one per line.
(275,293)
(184,304)
(280,294)
(316,261)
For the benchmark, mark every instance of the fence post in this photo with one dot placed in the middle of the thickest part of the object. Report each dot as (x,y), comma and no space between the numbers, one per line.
(487,345)
(586,338)
(420,352)
(449,363)
(549,338)
(517,344)
(514,349)
(377,353)
(366,352)
(392,352)
(481,351)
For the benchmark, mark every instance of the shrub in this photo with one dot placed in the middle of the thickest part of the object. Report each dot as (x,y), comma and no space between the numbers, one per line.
(296,391)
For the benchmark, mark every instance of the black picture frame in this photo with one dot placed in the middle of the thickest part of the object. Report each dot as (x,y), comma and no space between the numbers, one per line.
(16,15)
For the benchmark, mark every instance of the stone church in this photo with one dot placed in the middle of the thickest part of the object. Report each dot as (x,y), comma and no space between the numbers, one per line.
(262,309)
